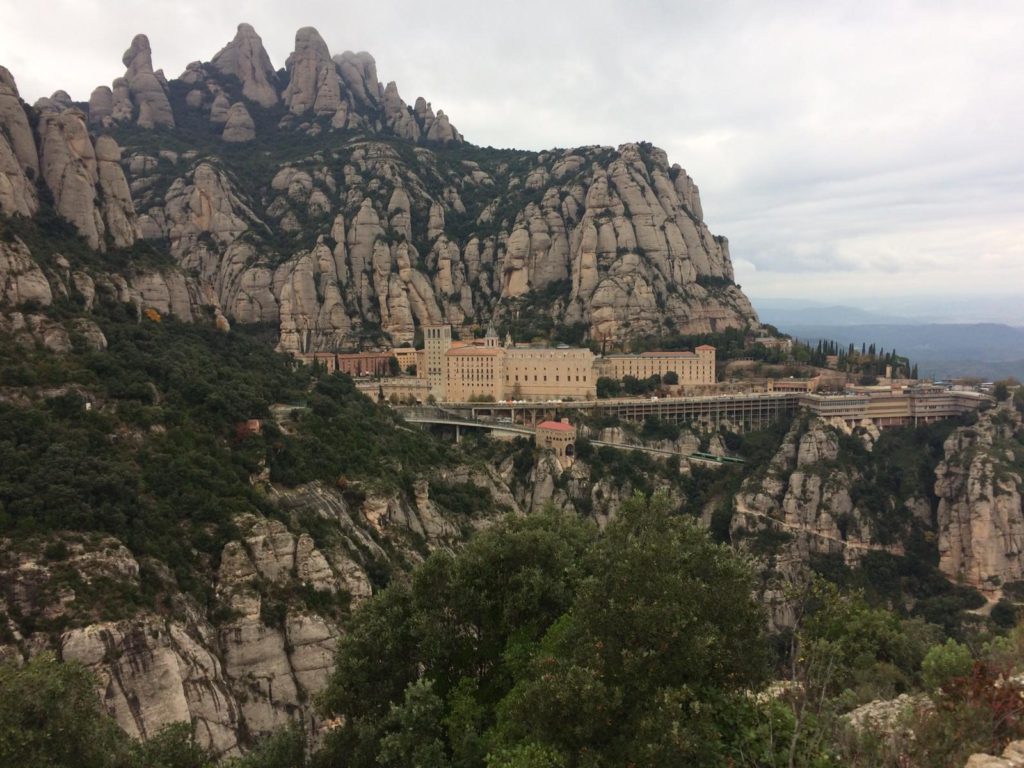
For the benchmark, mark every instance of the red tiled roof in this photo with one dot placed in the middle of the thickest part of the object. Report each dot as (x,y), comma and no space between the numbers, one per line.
(556,425)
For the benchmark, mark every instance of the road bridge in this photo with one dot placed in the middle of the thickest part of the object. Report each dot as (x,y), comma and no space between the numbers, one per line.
(436,416)
(746,411)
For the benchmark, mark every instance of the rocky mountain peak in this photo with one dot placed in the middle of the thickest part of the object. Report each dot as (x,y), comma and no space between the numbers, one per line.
(314,84)
(247,59)
(308,42)
(141,94)
(366,237)
(139,56)
(359,71)
(19,161)
(7,85)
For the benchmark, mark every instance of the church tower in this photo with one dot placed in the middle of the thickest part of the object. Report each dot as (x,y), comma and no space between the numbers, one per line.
(491,339)
(437,340)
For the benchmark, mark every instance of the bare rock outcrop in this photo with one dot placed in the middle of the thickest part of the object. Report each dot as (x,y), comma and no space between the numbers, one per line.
(981,501)
(117,207)
(312,309)
(247,59)
(153,673)
(239,126)
(359,73)
(314,84)
(88,184)
(397,114)
(21,279)
(145,89)
(69,167)
(1012,757)
(101,104)
(805,495)
(204,202)
(19,163)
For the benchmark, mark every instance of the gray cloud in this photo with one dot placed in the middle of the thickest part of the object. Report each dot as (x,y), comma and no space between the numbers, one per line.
(845,148)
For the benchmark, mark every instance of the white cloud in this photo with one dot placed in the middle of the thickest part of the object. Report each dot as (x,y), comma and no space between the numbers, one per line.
(861,146)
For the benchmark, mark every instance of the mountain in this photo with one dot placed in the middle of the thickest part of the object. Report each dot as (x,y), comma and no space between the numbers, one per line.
(209,529)
(988,350)
(315,199)
(783,313)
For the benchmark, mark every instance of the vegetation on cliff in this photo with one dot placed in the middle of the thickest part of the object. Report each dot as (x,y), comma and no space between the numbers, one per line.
(148,441)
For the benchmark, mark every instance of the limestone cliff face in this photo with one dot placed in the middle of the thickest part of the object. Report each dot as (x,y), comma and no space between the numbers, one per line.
(19,163)
(21,278)
(980,485)
(86,179)
(617,249)
(259,658)
(364,228)
(805,495)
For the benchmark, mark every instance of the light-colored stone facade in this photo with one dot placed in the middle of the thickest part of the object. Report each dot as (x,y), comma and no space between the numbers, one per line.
(407,357)
(437,340)
(460,371)
(353,363)
(474,373)
(540,373)
(697,367)
(559,437)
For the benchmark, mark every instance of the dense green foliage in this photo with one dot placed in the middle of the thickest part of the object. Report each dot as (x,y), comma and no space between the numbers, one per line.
(50,717)
(543,640)
(146,440)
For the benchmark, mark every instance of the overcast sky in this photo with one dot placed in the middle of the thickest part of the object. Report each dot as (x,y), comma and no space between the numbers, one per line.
(848,150)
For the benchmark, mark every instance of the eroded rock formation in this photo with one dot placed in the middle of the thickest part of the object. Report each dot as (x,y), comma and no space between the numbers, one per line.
(980,485)
(19,164)
(246,58)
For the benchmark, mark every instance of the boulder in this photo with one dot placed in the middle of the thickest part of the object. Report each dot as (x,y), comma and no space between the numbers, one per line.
(21,279)
(239,126)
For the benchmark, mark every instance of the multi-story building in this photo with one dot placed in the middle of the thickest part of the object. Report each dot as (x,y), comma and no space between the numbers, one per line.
(697,367)
(546,373)
(352,363)
(460,371)
(559,437)
(437,340)
(406,356)
(892,406)
(474,373)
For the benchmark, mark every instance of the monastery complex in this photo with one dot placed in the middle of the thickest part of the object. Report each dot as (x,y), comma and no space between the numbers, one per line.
(485,369)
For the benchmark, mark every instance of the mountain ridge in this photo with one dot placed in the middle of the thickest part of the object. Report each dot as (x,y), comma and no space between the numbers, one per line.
(316,199)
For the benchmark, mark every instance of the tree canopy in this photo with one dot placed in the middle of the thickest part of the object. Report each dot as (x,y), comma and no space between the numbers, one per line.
(546,643)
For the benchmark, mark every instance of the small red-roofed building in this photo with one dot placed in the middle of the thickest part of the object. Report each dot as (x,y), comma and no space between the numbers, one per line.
(559,437)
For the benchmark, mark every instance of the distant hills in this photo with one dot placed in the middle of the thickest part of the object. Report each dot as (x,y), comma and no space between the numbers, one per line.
(941,350)
(936,333)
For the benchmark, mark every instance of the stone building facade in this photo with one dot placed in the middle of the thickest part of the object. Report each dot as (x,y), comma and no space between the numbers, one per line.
(559,437)
(460,371)
(697,367)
